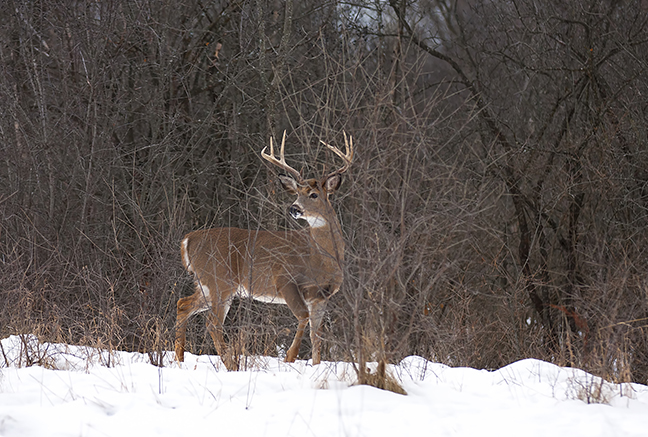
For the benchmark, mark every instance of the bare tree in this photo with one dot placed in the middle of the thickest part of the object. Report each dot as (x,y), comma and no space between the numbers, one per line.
(495,210)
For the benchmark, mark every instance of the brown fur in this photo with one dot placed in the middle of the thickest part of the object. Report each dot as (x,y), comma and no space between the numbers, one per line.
(301,269)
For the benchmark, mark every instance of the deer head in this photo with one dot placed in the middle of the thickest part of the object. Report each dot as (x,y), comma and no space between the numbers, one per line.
(312,203)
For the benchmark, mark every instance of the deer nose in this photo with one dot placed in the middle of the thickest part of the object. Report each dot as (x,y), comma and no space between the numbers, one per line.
(295,211)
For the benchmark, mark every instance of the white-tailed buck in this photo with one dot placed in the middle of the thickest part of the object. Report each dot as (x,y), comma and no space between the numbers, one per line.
(301,269)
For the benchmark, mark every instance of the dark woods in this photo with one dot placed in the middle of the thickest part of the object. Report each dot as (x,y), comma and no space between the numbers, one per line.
(497,207)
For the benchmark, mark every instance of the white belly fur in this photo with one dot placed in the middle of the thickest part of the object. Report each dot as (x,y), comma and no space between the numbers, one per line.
(244,293)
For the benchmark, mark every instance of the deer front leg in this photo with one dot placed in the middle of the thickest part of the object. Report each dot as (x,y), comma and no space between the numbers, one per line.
(316,315)
(296,303)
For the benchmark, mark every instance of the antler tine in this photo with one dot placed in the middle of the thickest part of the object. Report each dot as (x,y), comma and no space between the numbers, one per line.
(281,162)
(347,157)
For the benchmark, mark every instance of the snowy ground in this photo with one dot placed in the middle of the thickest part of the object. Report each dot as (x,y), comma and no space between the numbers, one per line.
(85,397)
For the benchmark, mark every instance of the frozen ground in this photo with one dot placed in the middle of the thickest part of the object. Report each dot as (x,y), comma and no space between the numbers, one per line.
(77,391)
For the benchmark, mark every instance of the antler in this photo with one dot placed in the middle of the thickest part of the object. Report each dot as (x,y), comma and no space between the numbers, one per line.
(281,162)
(347,157)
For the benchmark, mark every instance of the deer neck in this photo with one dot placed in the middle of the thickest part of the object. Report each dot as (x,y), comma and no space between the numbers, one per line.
(327,238)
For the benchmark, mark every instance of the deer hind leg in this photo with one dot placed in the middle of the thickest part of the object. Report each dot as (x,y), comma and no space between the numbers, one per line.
(291,355)
(181,328)
(215,321)
(187,307)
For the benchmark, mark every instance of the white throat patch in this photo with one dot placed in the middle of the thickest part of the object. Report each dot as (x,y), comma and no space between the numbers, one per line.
(315,221)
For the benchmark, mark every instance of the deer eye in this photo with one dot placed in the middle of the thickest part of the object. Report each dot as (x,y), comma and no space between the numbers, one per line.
(313,195)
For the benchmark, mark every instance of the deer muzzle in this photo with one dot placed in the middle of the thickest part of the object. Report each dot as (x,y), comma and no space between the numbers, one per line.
(295,211)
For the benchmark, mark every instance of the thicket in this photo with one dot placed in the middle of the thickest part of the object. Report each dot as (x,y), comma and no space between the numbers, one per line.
(496,208)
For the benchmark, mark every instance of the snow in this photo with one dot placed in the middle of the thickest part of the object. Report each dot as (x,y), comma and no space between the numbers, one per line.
(79,391)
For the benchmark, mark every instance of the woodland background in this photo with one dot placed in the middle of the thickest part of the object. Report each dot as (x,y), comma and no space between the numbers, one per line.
(496,208)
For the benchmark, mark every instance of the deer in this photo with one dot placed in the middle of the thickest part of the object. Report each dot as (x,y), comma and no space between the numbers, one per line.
(299,268)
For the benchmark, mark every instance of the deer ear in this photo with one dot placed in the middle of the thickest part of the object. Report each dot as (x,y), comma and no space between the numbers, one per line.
(288,184)
(333,183)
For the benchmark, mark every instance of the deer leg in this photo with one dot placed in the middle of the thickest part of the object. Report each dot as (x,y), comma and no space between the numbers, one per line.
(291,355)
(215,329)
(297,305)
(187,306)
(181,330)
(215,321)
(316,315)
